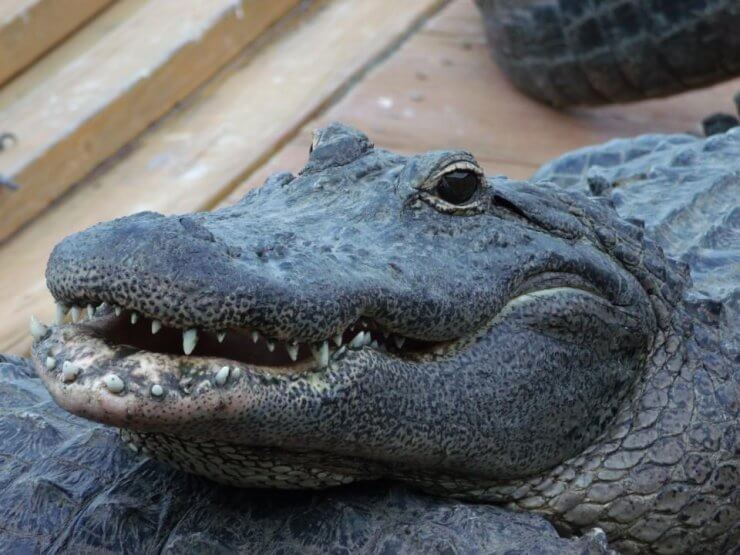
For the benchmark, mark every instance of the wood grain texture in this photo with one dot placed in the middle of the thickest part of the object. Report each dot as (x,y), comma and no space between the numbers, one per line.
(45,69)
(200,152)
(112,91)
(28,28)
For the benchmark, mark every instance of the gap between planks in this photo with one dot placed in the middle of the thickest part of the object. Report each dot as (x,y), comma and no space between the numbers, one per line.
(201,151)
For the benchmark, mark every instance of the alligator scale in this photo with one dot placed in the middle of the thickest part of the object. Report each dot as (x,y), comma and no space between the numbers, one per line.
(406,318)
(566,52)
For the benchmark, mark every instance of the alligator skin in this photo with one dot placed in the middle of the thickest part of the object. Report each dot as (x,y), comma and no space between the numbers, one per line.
(66,486)
(673,455)
(666,477)
(660,476)
(566,52)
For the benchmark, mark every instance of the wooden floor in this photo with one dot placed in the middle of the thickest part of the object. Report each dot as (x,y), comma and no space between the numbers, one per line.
(181,105)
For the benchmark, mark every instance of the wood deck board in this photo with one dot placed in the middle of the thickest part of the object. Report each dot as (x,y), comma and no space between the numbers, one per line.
(28,28)
(129,78)
(46,68)
(198,154)
(441,90)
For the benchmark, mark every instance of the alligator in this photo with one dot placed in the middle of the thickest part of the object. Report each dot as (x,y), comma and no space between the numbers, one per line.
(569,52)
(537,345)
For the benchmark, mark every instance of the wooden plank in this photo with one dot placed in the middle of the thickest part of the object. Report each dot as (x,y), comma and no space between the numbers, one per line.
(28,28)
(84,39)
(114,90)
(198,153)
(441,90)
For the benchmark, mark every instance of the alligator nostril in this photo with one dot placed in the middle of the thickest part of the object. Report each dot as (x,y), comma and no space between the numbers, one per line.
(233,252)
(272,252)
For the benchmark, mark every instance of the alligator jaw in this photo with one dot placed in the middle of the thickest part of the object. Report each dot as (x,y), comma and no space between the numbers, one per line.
(159,401)
(145,390)
(122,369)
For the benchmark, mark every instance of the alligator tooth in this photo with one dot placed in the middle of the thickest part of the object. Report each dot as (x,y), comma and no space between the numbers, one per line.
(321,354)
(325,353)
(292,351)
(38,330)
(338,340)
(255,336)
(189,339)
(134,317)
(156,390)
(236,372)
(220,335)
(270,345)
(439,350)
(69,372)
(61,313)
(75,311)
(51,362)
(399,341)
(156,326)
(222,375)
(375,345)
(358,341)
(102,305)
(368,338)
(113,383)
(118,310)
(339,352)
(90,312)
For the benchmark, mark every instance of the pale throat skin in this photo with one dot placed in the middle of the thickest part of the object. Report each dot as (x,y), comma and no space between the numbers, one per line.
(508,338)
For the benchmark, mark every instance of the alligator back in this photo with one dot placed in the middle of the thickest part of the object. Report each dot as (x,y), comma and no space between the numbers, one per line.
(566,52)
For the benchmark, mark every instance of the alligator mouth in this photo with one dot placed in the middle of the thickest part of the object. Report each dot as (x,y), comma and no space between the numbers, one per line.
(116,366)
(127,331)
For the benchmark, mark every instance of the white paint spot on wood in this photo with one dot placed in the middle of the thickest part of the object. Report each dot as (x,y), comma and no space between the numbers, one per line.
(196,172)
(385,102)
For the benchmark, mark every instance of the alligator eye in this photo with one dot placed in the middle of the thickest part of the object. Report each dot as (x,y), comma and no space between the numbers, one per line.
(458,187)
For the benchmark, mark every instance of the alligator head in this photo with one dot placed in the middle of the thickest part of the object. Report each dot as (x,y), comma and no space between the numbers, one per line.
(375,316)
